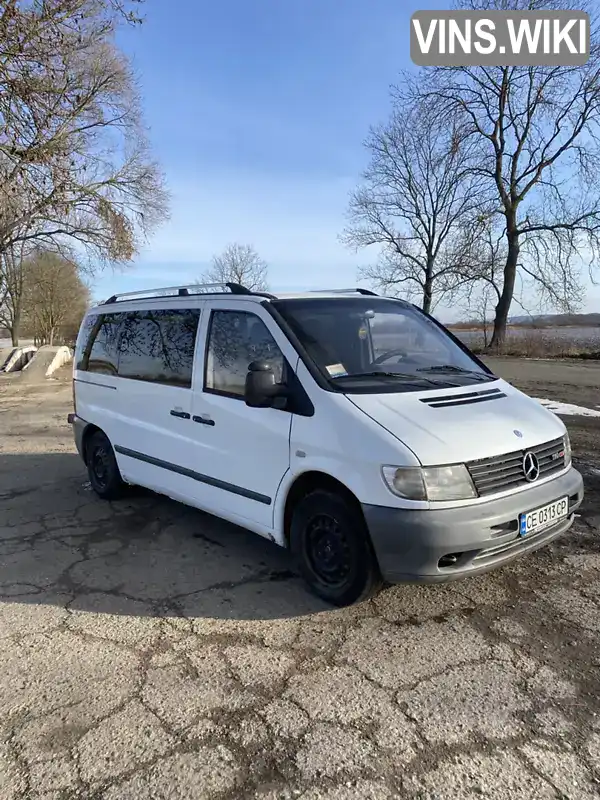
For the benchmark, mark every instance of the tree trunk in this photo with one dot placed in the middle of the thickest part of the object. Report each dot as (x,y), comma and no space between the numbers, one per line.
(508,286)
(428,289)
(15,328)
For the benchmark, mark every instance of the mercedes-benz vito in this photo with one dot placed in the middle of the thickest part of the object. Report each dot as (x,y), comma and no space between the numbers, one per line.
(352,428)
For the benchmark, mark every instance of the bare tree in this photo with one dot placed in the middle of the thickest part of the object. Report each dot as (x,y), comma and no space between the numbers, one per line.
(238,263)
(54,298)
(11,290)
(482,287)
(12,281)
(74,161)
(485,250)
(482,308)
(416,194)
(534,138)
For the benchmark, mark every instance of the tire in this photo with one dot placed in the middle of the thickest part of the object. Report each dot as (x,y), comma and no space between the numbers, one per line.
(103,470)
(331,545)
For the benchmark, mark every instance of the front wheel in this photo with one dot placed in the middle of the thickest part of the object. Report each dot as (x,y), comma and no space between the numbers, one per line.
(103,469)
(331,546)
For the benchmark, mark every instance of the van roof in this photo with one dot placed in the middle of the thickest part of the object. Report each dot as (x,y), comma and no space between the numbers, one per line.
(228,289)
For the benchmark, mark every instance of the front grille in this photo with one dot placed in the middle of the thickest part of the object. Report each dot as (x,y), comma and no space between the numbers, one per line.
(497,474)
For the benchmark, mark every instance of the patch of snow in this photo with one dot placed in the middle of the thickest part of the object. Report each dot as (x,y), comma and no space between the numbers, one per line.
(568,409)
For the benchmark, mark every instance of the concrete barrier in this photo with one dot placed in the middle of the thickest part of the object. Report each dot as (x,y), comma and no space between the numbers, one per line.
(5,352)
(46,361)
(19,358)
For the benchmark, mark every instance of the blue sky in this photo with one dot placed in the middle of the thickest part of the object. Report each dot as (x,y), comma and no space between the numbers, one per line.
(257,111)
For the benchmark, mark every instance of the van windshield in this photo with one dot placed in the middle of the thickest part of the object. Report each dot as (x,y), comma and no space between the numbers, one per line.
(376,344)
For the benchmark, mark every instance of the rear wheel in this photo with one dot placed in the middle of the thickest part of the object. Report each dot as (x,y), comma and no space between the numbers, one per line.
(331,545)
(103,470)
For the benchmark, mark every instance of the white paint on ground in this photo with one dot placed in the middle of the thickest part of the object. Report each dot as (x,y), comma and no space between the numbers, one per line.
(568,409)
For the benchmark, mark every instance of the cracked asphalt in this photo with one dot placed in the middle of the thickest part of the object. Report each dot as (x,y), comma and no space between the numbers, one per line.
(150,651)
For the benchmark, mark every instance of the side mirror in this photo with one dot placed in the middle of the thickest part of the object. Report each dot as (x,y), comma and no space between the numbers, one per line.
(261,387)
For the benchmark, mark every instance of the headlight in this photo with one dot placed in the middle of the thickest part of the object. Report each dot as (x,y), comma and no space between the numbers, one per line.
(405,482)
(430,483)
(448,483)
(567,446)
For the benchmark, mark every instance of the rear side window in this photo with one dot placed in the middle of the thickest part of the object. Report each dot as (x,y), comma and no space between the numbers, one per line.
(97,344)
(83,338)
(158,346)
(235,340)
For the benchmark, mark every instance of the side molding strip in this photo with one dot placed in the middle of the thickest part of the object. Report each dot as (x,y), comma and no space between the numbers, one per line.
(196,476)
(95,383)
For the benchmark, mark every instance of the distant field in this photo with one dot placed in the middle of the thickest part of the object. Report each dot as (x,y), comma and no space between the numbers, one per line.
(561,341)
(564,333)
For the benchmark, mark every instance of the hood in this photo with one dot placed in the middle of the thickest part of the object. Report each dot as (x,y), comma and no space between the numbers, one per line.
(446,426)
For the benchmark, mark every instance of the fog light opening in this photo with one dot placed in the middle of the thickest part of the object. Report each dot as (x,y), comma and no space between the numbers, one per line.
(449,560)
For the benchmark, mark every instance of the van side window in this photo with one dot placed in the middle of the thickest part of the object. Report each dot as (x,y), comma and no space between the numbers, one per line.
(235,340)
(83,345)
(100,349)
(158,346)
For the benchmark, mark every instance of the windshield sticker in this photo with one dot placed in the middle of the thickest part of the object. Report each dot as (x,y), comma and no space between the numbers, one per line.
(362,332)
(336,370)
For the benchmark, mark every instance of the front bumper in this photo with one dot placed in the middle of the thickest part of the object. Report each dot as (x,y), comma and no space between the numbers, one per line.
(409,544)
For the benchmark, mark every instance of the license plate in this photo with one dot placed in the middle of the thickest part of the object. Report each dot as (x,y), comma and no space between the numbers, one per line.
(543,517)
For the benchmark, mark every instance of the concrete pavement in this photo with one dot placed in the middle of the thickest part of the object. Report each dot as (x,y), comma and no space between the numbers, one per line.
(151,652)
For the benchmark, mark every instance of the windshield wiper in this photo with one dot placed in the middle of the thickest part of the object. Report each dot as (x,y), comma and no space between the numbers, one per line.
(402,376)
(455,369)
(376,373)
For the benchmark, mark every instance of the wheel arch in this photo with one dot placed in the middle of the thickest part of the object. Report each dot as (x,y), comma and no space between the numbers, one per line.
(308,482)
(89,430)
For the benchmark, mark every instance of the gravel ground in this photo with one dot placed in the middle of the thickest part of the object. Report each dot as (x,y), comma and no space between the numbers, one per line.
(153,652)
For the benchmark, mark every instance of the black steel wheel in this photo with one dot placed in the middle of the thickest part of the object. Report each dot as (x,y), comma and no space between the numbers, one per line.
(103,470)
(331,545)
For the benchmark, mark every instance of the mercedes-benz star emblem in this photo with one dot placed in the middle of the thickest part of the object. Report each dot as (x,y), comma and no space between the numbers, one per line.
(531,467)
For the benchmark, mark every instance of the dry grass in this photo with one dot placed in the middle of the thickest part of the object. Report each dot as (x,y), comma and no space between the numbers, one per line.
(543,343)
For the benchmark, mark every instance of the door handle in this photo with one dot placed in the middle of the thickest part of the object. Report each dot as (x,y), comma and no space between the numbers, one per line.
(204,420)
(180,414)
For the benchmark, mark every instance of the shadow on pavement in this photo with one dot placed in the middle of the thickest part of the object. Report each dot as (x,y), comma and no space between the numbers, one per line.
(148,556)
(145,555)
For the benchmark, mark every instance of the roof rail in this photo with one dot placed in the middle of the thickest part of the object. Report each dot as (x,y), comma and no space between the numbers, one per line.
(357,290)
(237,288)
(184,291)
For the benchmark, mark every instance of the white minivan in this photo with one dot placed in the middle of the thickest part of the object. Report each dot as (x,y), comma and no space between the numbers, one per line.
(352,428)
